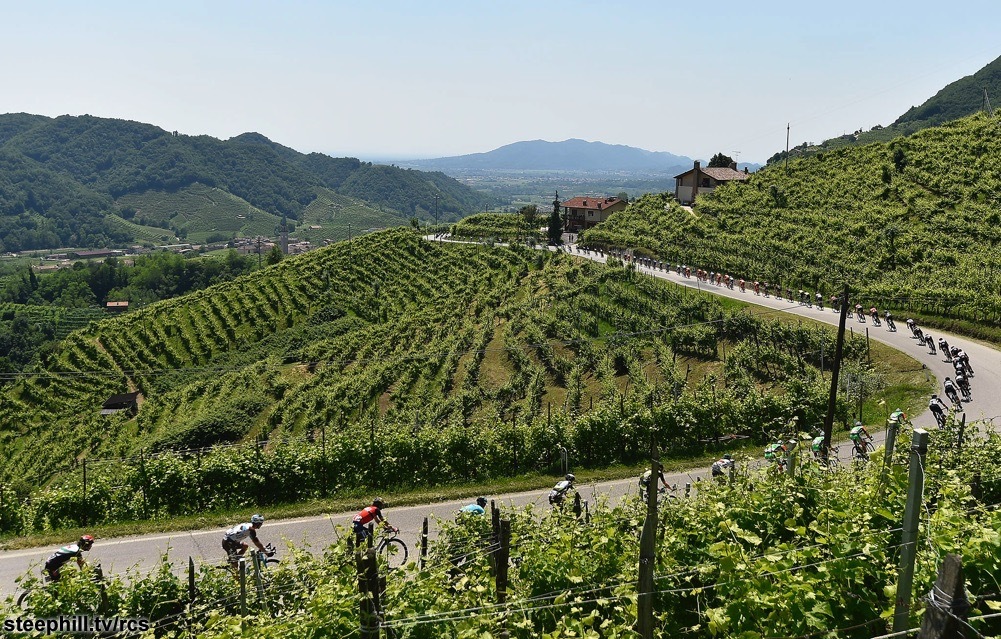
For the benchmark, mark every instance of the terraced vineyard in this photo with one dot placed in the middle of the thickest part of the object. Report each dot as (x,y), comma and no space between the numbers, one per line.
(455,362)
(912,224)
(333,213)
(201,211)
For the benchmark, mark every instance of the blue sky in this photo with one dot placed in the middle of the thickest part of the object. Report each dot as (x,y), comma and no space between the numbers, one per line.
(395,79)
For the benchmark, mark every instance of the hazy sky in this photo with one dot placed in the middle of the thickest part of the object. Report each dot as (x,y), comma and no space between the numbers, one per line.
(435,78)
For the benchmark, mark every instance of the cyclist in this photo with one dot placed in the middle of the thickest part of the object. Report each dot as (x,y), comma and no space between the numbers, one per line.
(720,466)
(964,386)
(368,515)
(820,301)
(561,489)
(835,303)
(931,344)
(232,539)
(938,409)
(860,437)
(889,321)
(944,347)
(950,391)
(859,313)
(896,417)
(743,285)
(874,314)
(64,554)
(920,334)
(911,325)
(965,359)
(645,478)
(477,508)
(820,451)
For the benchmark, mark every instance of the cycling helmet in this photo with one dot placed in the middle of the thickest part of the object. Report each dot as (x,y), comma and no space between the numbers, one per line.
(481,502)
(570,477)
(857,424)
(257,520)
(86,541)
(378,503)
(727,456)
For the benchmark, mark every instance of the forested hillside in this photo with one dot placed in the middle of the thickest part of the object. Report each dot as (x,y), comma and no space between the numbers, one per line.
(457,362)
(61,177)
(912,224)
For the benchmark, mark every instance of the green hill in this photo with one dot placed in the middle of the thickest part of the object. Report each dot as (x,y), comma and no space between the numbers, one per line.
(200,212)
(912,224)
(339,216)
(421,352)
(61,177)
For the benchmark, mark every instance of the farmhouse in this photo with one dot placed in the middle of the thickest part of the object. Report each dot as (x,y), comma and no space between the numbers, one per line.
(584,212)
(698,181)
(125,402)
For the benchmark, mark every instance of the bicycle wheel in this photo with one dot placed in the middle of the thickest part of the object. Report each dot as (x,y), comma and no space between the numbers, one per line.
(394,551)
(869,448)
(23,600)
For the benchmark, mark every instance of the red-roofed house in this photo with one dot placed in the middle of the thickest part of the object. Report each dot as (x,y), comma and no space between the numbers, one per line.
(698,181)
(584,212)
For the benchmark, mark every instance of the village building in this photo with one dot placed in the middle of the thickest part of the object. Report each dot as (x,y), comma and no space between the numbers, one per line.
(584,212)
(698,181)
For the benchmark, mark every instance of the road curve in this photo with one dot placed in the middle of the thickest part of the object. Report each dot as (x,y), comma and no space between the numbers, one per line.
(118,554)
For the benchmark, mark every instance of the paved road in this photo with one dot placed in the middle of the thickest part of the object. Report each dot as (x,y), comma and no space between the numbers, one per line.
(116,555)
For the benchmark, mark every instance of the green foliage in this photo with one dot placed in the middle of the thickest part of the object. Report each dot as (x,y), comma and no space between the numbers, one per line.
(502,226)
(393,349)
(720,160)
(766,555)
(908,225)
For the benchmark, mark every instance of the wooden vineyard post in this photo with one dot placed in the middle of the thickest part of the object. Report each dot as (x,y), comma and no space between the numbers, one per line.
(503,558)
(909,535)
(243,587)
(648,549)
(424,542)
(947,605)
(191,579)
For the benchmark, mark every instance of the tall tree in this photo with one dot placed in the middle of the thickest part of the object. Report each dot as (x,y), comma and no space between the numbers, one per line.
(556,222)
(720,160)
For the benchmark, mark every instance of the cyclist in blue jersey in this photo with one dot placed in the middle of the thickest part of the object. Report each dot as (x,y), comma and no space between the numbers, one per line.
(477,508)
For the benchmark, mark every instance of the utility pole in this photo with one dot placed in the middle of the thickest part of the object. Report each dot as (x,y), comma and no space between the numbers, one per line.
(259,251)
(835,370)
(436,212)
(987,103)
(787,147)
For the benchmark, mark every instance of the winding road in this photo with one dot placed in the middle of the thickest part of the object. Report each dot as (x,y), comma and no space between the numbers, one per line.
(118,554)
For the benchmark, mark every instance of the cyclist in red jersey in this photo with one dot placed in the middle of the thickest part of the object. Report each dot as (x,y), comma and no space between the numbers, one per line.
(368,515)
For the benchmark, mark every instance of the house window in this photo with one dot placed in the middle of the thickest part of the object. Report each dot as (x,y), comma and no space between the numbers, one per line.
(705,181)
(590,213)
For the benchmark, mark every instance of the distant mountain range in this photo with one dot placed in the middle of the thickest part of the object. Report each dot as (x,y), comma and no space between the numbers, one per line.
(569,155)
(85,181)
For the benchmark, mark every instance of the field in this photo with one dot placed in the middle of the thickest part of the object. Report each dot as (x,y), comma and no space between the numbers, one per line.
(457,362)
(202,212)
(338,215)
